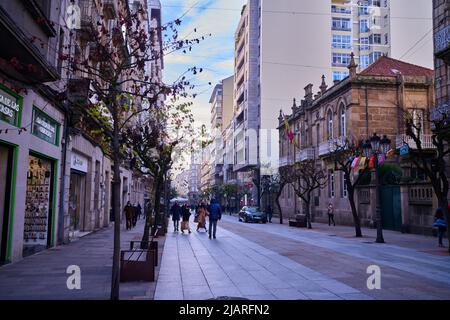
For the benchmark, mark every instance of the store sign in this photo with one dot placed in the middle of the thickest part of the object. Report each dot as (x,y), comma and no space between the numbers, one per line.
(9,108)
(79,163)
(45,127)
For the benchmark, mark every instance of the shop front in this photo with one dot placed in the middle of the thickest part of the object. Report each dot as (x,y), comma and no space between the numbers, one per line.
(39,204)
(7,170)
(77,195)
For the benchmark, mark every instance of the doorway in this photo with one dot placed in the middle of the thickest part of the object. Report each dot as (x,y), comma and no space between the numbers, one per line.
(391,207)
(6,171)
(77,202)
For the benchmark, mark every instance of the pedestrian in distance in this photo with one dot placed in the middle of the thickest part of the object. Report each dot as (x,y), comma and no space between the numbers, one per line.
(185,212)
(201,217)
(135,216)
(215,214)
(175,212)
(128,215)
(439,223)
(330,212)
(139,211)
(269,213)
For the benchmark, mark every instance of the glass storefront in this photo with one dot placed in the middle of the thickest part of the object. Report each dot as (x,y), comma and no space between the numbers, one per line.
(6,170)
(39,202)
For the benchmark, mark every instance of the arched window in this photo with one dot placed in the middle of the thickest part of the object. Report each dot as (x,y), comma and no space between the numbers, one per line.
(342,124)
(330,124)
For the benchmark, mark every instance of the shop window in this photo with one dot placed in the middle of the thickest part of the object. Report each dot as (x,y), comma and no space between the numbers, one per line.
(38,205)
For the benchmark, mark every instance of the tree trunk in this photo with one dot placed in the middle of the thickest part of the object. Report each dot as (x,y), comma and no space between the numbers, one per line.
(443,203)
(115,281)
(277,201)
(356,220)
(308,210)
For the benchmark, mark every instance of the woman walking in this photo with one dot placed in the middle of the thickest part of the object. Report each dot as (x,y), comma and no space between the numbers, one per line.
(439,222)
(185,213)
(202,213)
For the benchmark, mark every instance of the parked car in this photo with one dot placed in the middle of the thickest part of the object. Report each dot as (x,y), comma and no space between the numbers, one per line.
(252,214)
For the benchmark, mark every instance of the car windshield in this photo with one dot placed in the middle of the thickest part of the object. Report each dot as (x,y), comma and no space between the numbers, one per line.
(252,209)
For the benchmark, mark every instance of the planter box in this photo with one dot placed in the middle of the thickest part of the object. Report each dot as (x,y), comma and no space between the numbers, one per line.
(137,265)
(151,245)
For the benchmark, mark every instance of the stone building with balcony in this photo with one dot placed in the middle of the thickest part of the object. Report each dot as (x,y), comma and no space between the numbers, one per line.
(372,101)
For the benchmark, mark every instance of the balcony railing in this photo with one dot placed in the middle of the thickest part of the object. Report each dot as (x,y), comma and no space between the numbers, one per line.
(425,139)
(330,146)
(305,154)
(285,161)
(340,10)
(442,41)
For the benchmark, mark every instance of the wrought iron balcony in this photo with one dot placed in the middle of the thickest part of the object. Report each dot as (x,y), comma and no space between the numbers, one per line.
(442,43)
(331,145)
(305,154)
(425,140)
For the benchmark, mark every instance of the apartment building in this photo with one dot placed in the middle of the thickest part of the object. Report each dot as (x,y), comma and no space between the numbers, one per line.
(194,177)
(279,44)
(368,102)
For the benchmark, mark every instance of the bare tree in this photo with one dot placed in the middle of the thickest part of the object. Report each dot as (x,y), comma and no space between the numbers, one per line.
(343,156)
(305,177)
(432,162)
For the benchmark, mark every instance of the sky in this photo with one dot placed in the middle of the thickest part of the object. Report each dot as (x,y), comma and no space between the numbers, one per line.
(215,54)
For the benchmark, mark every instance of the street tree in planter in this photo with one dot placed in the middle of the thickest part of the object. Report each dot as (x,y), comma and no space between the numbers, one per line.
(432,162)
(343,156)
(114,74)
(305,177)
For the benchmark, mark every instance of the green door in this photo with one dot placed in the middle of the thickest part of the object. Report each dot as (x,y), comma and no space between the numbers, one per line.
(391,210)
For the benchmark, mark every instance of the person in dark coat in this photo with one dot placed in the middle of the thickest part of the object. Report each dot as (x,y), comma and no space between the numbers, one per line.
(128,215)
(175,212)
(215,214)
(139,211)
(439,223)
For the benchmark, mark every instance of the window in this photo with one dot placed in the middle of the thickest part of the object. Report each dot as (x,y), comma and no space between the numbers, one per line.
(376,3)
(374,56)
(363,26)
(339,75)
(342,125)
(363,7)
(341,41)
(417,116)
(364,41)
(386,38)
(344,191)
(341,24)
(364,61)
(330,184)
(375,39)
(329,125)
(318,135)
(341,59)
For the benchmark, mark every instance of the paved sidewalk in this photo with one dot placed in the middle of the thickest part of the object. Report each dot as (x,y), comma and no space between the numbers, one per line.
(272,261)
(43,275)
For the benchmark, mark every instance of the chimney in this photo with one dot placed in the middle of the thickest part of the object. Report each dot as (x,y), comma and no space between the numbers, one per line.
(309,93)
(280,117)
(323,86)
(294,106)
(352,66)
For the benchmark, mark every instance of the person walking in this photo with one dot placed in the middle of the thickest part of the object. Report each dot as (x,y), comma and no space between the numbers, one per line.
(128,215)
(201,217)
(269,213)
(439,223)
(139,211)
(135,215)
(330,212)
(175,212)
(215,214)
(185,212)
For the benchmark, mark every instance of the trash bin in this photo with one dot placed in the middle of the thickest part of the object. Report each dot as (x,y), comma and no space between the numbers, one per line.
(301,220)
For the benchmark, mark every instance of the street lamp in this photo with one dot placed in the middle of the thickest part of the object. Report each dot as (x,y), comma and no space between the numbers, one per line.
(374,147)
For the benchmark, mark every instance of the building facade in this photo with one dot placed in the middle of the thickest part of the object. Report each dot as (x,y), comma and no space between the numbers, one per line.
(270,62)
(372,101)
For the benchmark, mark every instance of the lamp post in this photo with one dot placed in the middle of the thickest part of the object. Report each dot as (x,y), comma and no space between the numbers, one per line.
(374,147)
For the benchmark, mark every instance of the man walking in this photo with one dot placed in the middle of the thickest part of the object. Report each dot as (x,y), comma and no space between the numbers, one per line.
(139,211)
(215,214)
(175,212)
(128,215)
